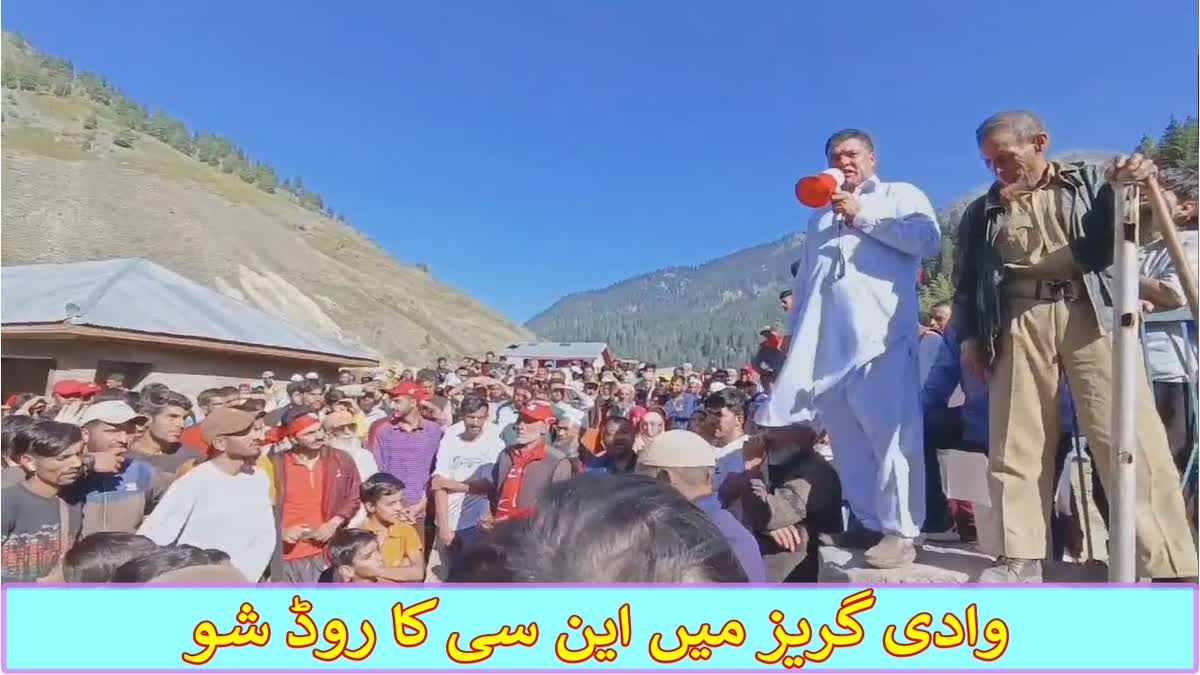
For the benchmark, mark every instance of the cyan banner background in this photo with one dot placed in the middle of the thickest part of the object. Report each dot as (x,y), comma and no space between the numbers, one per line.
(1082,628)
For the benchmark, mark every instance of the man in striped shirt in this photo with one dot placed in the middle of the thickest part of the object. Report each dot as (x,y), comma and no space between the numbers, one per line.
(406,446)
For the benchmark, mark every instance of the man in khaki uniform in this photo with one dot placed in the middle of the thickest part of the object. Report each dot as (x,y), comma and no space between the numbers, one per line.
(1032,300)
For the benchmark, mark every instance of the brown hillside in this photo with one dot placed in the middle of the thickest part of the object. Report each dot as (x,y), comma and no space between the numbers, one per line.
(67,199)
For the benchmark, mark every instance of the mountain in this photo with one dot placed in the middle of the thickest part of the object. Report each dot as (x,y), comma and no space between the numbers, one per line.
(697,314)
(89,174)
(711,313)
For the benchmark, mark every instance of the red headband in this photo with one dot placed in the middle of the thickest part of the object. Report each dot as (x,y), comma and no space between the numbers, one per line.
(301,425)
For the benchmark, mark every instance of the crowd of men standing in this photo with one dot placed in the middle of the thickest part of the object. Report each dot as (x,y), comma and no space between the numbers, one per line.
(568,472)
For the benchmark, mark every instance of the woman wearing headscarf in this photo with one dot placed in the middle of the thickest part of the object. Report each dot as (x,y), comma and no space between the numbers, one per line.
(651,424)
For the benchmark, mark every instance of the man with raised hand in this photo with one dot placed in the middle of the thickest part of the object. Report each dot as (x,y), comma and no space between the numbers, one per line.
(852,358)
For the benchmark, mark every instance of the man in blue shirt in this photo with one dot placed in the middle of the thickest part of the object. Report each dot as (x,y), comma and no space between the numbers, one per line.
(114,498)
(681,405)
(616,437)
(966,428)
(963,428)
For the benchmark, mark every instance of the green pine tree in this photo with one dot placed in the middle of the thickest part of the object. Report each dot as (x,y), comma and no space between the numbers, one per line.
(247,173)
(265,178)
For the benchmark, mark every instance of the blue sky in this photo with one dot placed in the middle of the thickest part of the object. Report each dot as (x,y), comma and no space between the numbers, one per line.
(531,149)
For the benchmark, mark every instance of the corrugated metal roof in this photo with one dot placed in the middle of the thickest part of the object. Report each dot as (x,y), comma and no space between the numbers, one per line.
(138,295)
(556,350)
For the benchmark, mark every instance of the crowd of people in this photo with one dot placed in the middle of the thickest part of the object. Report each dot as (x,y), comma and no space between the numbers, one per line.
(488,470)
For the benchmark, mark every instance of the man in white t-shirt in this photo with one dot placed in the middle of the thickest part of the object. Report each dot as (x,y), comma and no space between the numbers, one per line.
(461,483)
(725,415)
(225,502)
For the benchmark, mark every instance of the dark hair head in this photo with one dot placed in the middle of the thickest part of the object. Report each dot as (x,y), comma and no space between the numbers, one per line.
(378,486)
(166,559)
(471,404)
(598,528)
(346,544)
(333,396)
(426,375)
(619,421)
(785,294)
(156,402)
(847,134)
(204,398)
(44,438)
(309,387)
(153,387)
(485,561)
(291,413)
(95,558)
(12,424)
(729,397)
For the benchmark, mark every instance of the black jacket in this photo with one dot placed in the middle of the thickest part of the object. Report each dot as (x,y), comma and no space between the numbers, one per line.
(980,309)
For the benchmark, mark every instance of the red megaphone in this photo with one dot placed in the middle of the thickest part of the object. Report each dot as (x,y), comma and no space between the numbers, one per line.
(815,191)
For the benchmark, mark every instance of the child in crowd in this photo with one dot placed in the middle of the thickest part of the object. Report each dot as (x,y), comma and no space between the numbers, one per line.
(400,543)
(95,558)
(356,557)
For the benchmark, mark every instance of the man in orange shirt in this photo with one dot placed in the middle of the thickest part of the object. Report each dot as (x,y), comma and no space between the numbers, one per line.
(317,494)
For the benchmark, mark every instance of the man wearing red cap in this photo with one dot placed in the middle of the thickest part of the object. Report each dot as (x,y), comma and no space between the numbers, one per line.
(405,446)
(73,390)
(528,466)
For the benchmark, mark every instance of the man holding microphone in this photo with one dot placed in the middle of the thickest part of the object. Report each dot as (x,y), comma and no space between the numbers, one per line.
(851,365)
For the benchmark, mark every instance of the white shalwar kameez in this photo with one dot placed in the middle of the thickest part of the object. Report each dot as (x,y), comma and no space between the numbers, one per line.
(851,367)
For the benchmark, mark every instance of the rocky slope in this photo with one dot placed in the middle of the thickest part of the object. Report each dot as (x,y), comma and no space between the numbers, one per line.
(70,193)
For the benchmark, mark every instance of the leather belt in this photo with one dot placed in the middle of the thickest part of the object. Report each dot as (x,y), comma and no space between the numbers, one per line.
(1045,290)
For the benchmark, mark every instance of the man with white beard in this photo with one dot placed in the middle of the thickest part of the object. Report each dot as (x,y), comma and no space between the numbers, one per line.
(342,432)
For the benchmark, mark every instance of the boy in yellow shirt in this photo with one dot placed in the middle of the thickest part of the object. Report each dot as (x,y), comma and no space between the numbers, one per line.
(400,543)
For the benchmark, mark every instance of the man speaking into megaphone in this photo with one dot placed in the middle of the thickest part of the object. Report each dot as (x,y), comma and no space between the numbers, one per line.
(851,366)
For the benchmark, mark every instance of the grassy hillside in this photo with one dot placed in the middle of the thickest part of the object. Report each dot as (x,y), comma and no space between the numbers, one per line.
(84,178)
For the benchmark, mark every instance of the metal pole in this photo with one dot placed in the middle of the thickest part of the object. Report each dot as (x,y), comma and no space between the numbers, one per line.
(1126,312)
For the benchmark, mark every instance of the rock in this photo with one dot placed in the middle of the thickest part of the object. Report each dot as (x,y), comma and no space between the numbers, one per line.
(950,564)
(935,564)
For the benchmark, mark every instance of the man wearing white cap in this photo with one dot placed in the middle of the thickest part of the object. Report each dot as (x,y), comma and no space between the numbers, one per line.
(297,378)
(116,501)
(686,461)
(276,393)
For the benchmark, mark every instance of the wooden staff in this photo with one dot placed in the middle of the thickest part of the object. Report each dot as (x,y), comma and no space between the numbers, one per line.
(1170,236)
